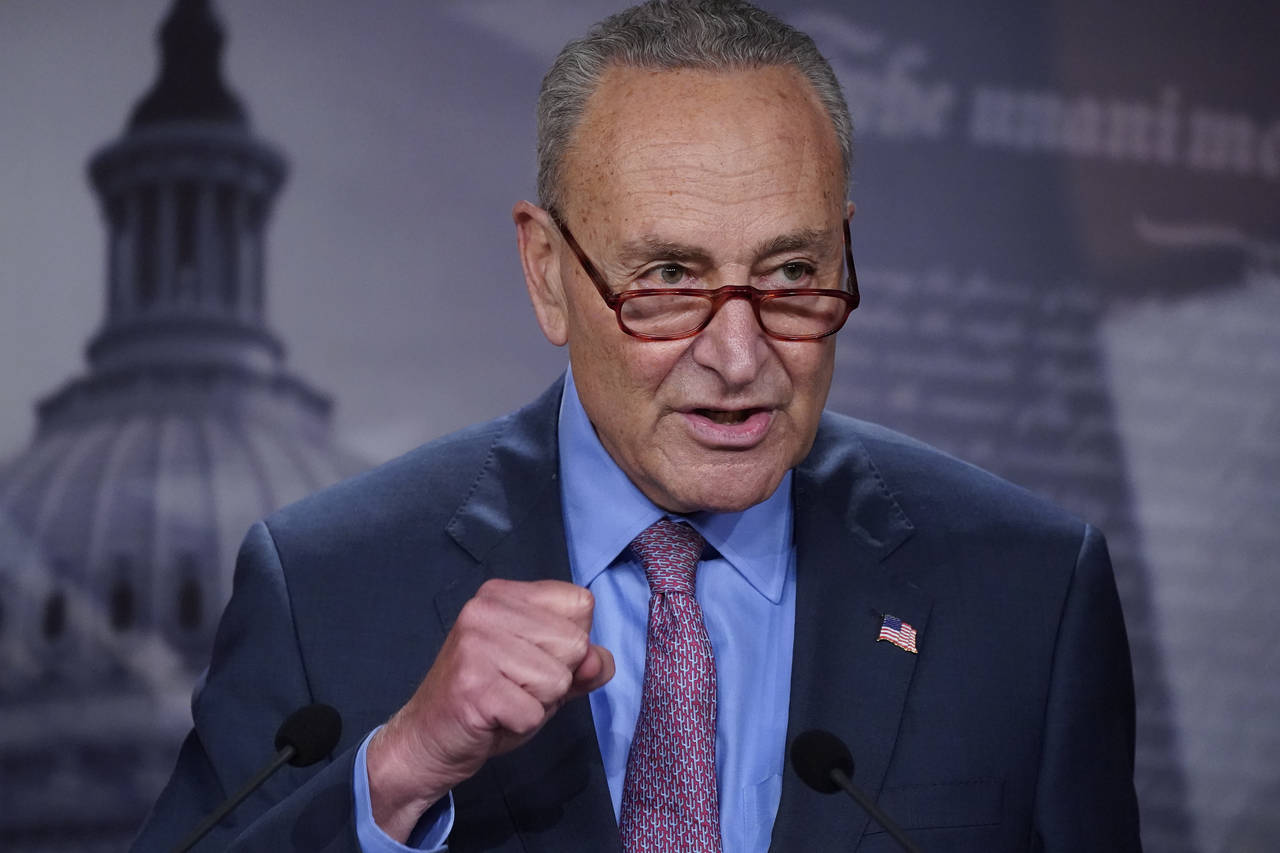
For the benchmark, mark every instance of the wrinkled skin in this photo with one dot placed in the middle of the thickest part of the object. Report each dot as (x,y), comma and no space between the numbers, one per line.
(690,178)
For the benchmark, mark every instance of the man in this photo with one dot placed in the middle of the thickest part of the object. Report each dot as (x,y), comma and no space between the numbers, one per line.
(963,637)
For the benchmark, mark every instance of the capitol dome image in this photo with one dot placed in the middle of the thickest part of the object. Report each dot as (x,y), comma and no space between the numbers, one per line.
(120,521)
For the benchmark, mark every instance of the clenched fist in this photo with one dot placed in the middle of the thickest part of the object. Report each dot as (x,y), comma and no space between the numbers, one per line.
(517,653)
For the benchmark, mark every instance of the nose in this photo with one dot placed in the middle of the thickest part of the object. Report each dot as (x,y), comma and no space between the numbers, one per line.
(733,344)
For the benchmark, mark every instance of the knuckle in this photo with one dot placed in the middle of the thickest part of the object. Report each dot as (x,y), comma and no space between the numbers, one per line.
(483,608)
(472,613)
(470,683)
(583,602)
(561,683)
(578,644)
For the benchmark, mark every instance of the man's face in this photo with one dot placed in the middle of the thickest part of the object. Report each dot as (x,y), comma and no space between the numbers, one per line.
(701,179)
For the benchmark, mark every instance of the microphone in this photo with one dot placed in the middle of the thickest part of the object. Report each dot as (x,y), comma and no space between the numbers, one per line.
(308,735)
(823,762)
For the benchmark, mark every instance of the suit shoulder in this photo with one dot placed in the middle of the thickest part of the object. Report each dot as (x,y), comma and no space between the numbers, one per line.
(931,484)
(425,485)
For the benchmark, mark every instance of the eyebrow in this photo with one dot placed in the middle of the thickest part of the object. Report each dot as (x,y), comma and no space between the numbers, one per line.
(813,239)
(648,247)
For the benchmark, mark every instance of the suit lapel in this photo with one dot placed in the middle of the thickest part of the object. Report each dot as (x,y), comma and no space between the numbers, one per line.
(511,523)
(842,679)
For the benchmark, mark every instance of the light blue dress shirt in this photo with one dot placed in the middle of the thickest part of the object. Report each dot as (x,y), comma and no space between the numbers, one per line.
(746,588)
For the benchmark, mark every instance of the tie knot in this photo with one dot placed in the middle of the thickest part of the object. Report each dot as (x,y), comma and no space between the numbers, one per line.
(670,552)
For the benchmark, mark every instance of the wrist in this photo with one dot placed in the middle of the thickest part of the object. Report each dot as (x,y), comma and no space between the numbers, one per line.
(399,794)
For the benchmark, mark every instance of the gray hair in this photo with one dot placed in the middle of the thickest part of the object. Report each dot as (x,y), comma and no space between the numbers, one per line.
(713,35)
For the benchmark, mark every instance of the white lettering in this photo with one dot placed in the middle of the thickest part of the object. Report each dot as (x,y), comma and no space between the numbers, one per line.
(1082,127)
(886,91)
(1221,142)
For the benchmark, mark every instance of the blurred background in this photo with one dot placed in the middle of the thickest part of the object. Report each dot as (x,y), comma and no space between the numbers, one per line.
(220,290)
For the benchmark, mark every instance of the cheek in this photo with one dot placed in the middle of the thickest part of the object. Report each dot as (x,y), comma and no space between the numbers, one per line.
(628,371)
(623,380)
(633,371)
(592,345)
(810,367)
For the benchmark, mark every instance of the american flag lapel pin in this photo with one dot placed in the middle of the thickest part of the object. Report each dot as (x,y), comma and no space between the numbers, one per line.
(901,634)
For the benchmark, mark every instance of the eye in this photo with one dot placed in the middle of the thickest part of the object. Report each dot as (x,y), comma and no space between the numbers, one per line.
(670,274)
(795,271)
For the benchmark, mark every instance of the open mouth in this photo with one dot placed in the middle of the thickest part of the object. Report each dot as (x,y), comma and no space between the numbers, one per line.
(727,417)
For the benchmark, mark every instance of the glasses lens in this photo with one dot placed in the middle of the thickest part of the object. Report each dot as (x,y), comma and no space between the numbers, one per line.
(803,314)
(664,314)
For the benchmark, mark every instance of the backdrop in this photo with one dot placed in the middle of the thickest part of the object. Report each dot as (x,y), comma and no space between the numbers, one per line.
(1067,235)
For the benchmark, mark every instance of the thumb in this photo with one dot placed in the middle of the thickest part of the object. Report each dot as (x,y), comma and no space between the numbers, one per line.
(595,671)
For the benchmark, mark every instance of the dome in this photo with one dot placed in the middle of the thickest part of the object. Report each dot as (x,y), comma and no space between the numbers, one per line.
(122,520)
(119,524)
(119,527)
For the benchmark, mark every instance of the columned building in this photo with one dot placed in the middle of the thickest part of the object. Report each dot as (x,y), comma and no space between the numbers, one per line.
(119,523)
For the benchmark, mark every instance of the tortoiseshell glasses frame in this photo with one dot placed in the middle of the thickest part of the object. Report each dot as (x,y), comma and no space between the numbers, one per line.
(786,314)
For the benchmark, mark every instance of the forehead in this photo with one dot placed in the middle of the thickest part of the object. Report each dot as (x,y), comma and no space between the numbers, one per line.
(713,143)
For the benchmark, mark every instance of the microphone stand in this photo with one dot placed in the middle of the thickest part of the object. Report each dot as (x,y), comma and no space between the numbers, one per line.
(282,758)
(839,777)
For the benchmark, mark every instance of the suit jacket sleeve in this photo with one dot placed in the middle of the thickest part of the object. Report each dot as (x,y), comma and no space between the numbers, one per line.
(1085,798)
(257,677)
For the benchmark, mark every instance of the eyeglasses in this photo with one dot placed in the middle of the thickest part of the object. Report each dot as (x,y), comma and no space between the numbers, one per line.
(672,313)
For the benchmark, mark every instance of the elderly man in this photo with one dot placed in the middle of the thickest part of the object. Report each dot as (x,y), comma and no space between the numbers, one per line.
(629,596)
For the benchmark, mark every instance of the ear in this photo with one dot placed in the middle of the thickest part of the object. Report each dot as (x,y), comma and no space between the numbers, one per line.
(849,211)
(537,238)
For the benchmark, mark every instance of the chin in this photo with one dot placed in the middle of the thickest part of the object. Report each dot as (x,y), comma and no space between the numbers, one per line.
(721,491)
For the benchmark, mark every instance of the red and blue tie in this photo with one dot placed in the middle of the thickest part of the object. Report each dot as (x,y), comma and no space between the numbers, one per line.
(669,799)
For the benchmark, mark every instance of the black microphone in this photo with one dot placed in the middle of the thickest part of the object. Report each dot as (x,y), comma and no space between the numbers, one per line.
(823,762)
(308,735)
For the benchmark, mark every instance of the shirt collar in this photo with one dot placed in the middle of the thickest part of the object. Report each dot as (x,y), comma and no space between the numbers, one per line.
(604,511)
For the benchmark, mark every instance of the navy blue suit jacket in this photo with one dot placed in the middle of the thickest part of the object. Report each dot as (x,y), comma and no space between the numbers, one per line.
(1011,730)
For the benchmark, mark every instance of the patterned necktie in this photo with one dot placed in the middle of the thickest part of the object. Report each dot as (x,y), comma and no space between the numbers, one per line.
(669,800)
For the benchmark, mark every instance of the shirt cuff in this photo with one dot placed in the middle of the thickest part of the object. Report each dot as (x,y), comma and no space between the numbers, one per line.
(431,833)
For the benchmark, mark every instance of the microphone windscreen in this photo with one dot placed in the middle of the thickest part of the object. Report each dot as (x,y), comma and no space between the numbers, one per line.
(312,731)
(814,754)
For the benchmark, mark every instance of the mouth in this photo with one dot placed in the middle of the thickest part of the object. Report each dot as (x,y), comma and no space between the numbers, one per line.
(729,429)
(726,417)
